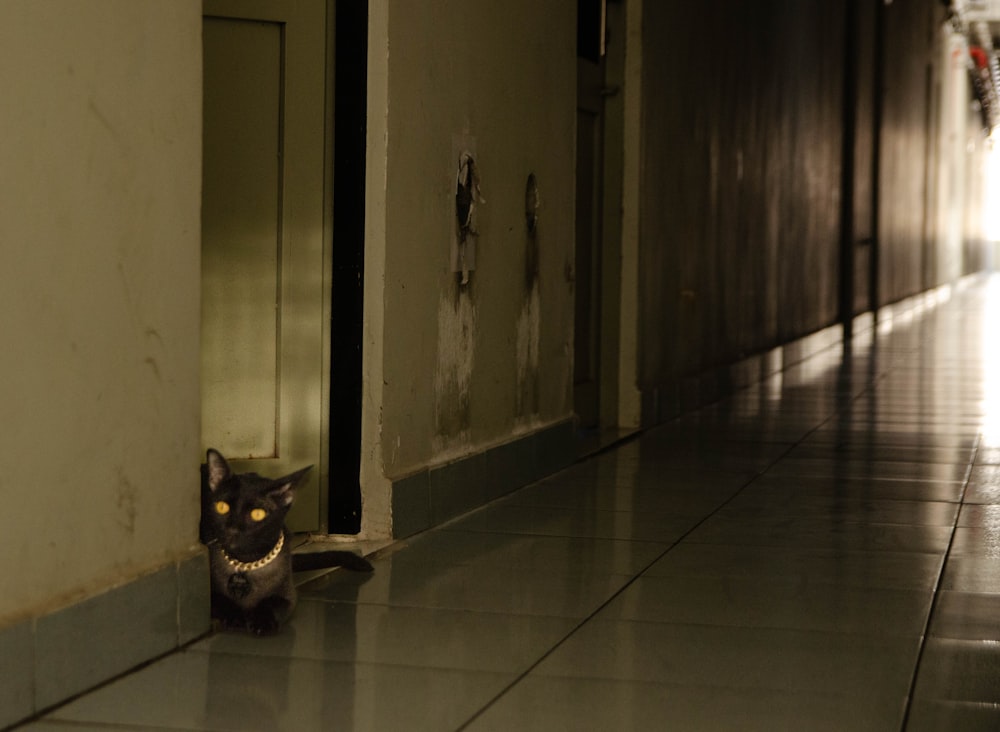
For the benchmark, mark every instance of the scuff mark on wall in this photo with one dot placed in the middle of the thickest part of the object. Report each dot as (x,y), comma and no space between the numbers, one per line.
(528,336)
(530,318)
(456,347)
(126,502)
(151,362)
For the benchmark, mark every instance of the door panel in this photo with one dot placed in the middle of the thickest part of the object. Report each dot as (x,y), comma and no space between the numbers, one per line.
(264,223)
(241,232)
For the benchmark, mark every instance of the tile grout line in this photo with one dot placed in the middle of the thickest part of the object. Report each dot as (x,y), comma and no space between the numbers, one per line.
(936,594)
(870,387)
(875,379)
(792,446)
(42,714)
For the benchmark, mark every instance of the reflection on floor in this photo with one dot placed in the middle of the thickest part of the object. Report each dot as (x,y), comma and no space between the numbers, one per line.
(818,552)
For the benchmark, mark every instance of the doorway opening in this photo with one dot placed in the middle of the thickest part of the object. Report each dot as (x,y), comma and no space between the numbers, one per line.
(603,401)
(589,209)
(348,249)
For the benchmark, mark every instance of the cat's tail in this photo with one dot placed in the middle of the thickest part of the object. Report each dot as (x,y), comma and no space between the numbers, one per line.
(324,560)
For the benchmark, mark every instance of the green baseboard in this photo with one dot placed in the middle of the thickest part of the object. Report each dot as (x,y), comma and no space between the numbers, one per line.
(50,658)
(438,493)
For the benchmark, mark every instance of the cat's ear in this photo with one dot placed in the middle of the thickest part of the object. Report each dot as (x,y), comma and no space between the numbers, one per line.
(284,489)
(218,468)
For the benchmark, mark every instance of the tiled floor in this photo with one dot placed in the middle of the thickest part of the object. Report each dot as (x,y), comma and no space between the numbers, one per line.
(818,552)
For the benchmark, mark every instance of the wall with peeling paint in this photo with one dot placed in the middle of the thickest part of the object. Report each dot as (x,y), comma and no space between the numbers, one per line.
(99,291)
(455,369)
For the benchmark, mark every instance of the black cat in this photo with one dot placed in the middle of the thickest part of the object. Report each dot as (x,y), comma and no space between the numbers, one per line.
(243,526)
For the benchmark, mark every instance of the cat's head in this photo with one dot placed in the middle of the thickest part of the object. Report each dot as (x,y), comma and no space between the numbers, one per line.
(244,512)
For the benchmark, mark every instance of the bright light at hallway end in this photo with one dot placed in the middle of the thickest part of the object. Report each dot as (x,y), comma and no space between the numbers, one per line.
(991,209)
(991,365)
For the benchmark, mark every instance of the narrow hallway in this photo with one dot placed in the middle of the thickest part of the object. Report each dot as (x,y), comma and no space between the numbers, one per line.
(818,552)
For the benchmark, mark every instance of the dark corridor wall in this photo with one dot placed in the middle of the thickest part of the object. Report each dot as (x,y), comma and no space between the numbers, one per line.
(741,186)
(908,165)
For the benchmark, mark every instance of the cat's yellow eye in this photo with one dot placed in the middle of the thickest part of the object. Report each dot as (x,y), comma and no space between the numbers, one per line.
(258,514)
(222,508)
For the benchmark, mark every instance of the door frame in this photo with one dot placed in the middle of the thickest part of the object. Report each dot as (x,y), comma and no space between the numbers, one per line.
(618,399)
(313,505)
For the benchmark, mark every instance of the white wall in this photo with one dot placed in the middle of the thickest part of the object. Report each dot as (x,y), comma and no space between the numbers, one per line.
(454,370)
(99,291)
(951,155)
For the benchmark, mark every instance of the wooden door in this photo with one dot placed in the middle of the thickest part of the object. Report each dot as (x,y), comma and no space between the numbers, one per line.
(265,223)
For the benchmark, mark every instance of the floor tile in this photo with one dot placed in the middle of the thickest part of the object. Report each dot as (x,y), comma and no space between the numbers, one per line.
(756,504)
(54,725)
(510,590)
(550,703)
(555,521)
(971,574)
(704,428)
(976,542)
(888,438)
(405,636)
(880,452)
(936,716)
(980,516)
(967,616)
(984,484)
(860,468)
(822,534)
(737,657)
(201,691)
(988,455)
(861,488)
(773,603)
(959,670)
(923,431)
(693,497)
(878,569)
(534,554)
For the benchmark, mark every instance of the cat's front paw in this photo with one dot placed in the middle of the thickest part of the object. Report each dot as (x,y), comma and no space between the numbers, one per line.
(227,617)
(262,623)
